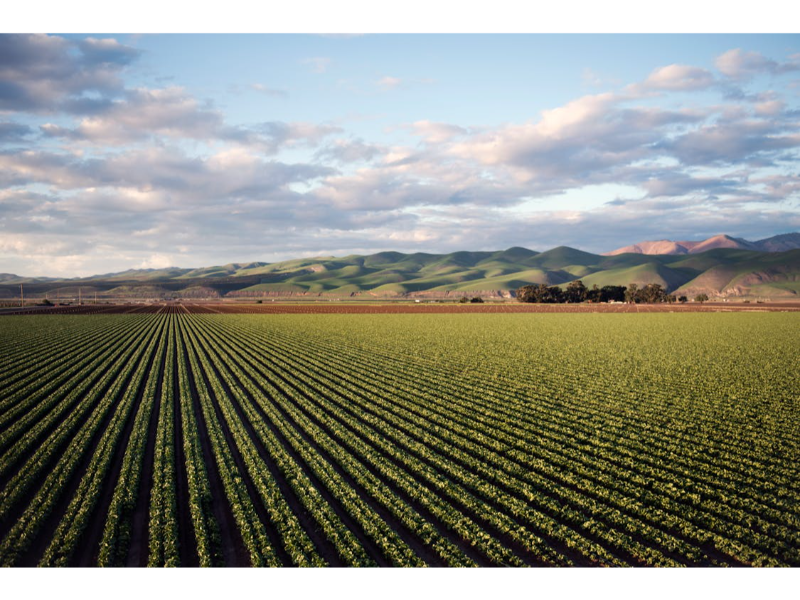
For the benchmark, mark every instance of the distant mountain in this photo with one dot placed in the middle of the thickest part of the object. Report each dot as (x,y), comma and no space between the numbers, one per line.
(778,243)
(734,271)
(10,278)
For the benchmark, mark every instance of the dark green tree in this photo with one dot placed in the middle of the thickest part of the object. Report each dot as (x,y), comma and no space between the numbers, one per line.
(652,293)
(540,293)
(632,294)
(575,292)
(613,293)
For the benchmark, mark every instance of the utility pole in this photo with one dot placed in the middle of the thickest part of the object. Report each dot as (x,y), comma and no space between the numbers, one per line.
(21,296)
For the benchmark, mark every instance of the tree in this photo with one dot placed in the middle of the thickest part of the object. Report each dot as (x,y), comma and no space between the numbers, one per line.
(613,293)
(632,294)
(683,299)
(575,292)
(593,295)
(463,300)
(701,298)
(540,293)
(477,300)
(652,293)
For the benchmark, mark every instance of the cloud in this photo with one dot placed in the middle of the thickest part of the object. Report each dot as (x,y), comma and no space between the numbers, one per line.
(158,261)
(679,78)
(408,180)
(14,202)
(18,168)
(349,151)
(268,91)
(145,113)
(126,177)
(13,132)
(276,134)
(157,175)
(588,140)
(436,133)
(769,108)
(38,73)
(674,184)
(590,77)
(741,65)
(777,187)
(731,142)
(106,52)
(317,64)
(389,83)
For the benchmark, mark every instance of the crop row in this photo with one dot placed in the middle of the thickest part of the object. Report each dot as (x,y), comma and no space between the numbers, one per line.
(411,440)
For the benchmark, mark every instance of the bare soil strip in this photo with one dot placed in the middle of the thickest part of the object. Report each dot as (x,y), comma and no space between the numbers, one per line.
(376,307)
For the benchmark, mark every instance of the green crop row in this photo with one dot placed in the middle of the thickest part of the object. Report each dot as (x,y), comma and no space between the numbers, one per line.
(405,440)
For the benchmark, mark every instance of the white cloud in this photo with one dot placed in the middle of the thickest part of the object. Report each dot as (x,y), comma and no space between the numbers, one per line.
(157,261)
(436,133)
(144,112)
(679,78)
(770,108)
(42,74)
(740,64)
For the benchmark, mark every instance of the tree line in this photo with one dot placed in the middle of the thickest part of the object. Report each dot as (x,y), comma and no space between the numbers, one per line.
(576,291)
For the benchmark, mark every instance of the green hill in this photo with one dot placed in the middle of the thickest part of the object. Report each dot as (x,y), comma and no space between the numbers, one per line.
(749,274)
(650,272)
(721,272)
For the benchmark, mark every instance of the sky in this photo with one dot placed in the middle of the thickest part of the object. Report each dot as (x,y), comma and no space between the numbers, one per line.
(147,151)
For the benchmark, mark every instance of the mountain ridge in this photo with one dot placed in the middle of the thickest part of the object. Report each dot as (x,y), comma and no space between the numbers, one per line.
(776,243)
(718,272)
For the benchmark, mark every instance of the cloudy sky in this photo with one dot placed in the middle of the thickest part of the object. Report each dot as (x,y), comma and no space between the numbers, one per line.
(131,151)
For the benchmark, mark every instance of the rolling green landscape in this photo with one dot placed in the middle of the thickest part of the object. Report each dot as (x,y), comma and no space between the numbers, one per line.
(719,273)
(349,300)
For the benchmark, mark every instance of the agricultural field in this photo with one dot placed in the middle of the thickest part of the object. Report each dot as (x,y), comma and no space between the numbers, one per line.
(178,438)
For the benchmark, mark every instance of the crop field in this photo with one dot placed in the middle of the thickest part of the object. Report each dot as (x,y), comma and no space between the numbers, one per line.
(178,439)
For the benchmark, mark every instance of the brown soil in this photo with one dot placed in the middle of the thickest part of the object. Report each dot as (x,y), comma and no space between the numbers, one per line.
(405,308)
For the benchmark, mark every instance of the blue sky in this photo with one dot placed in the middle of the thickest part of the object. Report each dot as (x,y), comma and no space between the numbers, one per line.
(127,151)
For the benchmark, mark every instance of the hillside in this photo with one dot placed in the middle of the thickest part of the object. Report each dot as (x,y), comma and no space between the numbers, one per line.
(720,272)
(776,275)
(778,243)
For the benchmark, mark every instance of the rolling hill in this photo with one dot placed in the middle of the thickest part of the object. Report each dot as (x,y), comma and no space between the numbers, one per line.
(720,272)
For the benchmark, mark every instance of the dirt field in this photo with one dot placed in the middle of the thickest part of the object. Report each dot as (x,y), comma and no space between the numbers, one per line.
(397,308)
